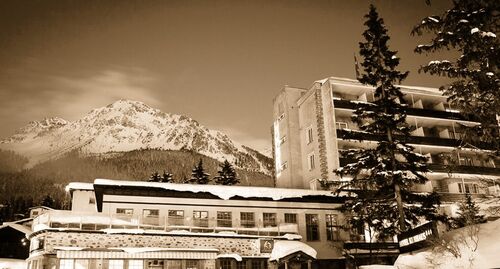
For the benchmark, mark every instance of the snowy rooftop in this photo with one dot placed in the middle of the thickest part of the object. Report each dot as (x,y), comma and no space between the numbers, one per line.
(430,90)
(80,186)
(284,248)
(223,192)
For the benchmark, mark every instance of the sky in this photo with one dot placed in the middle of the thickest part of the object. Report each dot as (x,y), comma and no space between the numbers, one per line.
(218,62)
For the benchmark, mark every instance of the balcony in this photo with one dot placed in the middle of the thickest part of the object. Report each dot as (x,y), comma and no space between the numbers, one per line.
(444,168)
(100,221)
(420,140)
(419,112)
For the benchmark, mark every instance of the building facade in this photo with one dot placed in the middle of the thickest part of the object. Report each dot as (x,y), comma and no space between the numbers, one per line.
(312,127)
(146,225)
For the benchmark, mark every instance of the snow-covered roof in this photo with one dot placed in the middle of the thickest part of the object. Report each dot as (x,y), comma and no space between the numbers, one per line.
(80,186)
(223,192)
(429,90)
(235,256)
(286,247)
(19,227)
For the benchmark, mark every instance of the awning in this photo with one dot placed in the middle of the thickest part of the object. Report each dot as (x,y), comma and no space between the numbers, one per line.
(199,254)
(286,248)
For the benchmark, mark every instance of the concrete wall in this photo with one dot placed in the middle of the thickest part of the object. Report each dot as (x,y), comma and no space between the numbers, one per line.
(83,201)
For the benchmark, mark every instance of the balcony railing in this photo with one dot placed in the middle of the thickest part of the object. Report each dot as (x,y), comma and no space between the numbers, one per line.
(441,167)
(101,221)
(422,112)
(421,140)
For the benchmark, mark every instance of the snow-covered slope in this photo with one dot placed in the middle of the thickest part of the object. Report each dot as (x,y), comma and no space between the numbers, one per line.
(125,126)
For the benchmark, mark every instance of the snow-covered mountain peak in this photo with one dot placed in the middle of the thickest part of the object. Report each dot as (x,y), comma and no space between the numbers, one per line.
(124,126)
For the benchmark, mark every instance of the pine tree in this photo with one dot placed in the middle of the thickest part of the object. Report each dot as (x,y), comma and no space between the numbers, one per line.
(471,29)
(155,177)
(49,201)
(166,177)
(468,213)
(227,175)
(198,176)
(382,177)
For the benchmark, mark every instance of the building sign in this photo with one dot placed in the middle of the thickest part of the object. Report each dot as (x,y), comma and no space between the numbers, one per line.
(266,245)
(417,238)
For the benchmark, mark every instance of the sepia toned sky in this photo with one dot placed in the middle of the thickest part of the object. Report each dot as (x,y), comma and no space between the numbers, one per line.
(219,62)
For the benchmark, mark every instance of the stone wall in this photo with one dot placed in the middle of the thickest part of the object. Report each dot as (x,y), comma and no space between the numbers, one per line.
(242,246)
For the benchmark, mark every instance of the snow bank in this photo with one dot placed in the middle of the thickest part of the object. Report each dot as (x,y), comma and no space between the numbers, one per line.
(376,266)
(485,256)
(223,192)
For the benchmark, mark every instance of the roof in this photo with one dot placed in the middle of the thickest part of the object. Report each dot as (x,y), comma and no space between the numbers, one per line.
(285,248)
(18,227)
(221,191)
(72,186)
(420,89)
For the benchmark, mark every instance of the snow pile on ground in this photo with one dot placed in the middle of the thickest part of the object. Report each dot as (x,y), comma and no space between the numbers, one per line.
(12,264)
(465,248)
(376,266)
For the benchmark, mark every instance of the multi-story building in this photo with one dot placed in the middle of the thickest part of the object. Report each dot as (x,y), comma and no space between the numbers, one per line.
(313,126)
(147,225)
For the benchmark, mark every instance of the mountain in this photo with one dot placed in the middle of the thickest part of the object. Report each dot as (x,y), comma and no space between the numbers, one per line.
(126,126)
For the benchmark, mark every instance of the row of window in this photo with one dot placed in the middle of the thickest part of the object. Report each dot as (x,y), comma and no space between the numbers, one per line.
(129,264)
(247,220)
(200,218)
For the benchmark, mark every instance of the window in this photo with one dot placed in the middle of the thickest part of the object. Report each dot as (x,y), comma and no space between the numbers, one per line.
(341,125)
(176,217)
(290,218)
(309,135)
(247,219)
(200,218)
(332,228)
(150,216)
(81,264)
(34,213)
(258,264)
(225,264)
(91,200)
(269,219)
(312,228)
(224,219)
(63,264)
(173,264)
(192,264)
(468,188)
(310,161)
(150,213)
(241,265)
(125,211)
(135,264)
(115,264)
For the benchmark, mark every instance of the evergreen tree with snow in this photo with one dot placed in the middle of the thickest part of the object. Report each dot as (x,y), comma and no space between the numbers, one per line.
(468,213)
(382,177)
(166,177)
(470,28)
(227,175)
(198,176)
(155,177)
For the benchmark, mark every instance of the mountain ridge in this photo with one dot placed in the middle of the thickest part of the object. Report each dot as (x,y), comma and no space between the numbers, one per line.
(125,126)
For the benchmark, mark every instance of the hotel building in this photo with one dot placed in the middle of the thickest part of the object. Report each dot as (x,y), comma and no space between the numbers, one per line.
(312,127)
